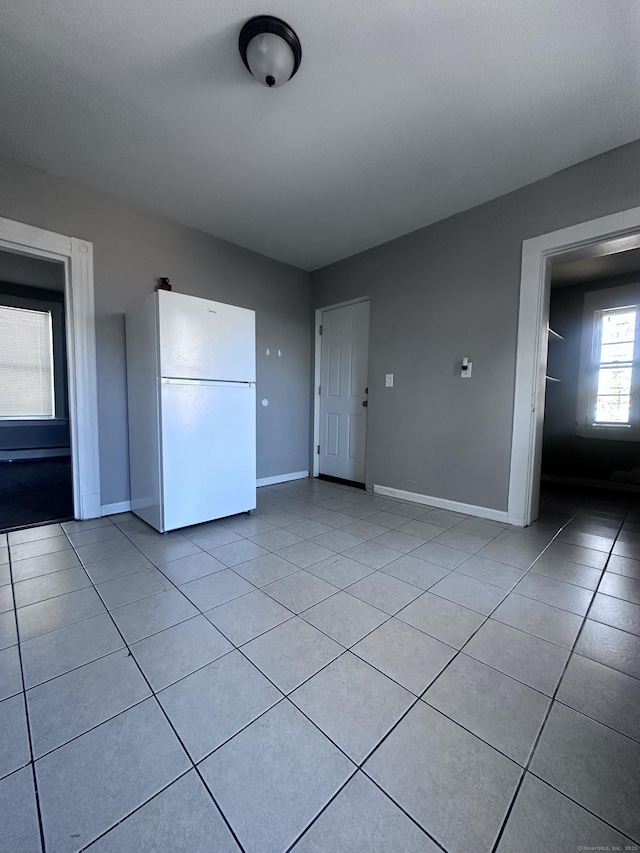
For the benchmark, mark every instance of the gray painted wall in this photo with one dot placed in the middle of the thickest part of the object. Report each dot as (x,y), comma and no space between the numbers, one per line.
(565,454)
(452,290)
(132,248)
(438,294)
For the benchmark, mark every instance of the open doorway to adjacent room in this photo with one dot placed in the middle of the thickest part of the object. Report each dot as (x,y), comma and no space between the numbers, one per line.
(590,434)
(35,446)
(598,246)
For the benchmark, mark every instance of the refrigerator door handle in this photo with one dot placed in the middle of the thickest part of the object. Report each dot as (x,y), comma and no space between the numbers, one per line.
(169,380)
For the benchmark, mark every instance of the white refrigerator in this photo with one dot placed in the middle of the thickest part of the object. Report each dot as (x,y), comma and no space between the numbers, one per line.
(191,371)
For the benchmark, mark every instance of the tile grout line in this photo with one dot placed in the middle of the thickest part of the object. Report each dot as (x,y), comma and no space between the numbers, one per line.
(542,727)
(583,808)
(459,651)
(293,614)
(286,697)
(593,719)
(548,713)
(97,838)
(26,708)
(442,671)
(382,791)
(473,634)
(338,589)
(525,768)
(296,570)
(159,705)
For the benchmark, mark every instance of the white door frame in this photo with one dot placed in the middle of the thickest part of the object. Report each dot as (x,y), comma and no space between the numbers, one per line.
(77,257)
(318,373)
(531,357)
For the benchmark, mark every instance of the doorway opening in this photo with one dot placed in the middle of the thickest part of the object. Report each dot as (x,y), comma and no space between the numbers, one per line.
(35,444)
(75,258)
(342,389)
(591,435)
(599,238)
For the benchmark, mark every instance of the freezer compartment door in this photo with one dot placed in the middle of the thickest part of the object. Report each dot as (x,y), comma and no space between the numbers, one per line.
(201,339)
(208,451)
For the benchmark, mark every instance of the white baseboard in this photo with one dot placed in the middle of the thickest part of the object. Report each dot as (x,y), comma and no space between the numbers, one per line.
(114,509)
(281,478)
(125,506)
(443,503)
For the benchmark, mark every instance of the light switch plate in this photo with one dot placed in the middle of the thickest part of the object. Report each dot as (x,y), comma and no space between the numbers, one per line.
(388,380)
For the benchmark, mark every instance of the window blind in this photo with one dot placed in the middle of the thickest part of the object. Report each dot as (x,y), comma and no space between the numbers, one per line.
(26,364)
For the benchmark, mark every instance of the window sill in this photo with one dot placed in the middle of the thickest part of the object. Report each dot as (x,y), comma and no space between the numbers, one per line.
(34,453)
(33,422)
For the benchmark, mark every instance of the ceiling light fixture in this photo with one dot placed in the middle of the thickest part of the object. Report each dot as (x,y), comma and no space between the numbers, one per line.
(270,49)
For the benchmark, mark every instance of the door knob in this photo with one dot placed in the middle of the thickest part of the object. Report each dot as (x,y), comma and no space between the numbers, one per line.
(365,402)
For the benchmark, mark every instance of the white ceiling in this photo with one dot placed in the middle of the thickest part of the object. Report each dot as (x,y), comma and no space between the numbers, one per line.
(403,112)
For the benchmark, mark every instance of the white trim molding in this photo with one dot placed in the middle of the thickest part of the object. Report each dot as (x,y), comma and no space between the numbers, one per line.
(281,478)
(77,257)
(125,506)
(443,503)
(604,236)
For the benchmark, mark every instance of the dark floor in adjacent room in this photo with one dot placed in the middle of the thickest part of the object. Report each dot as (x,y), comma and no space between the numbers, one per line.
(35,491)
(337,673)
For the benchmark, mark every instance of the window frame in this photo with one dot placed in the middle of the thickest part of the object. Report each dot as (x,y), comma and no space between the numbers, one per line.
(60,405)
(597,301)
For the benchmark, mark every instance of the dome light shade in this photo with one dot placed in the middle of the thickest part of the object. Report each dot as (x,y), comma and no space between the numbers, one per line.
(270,49)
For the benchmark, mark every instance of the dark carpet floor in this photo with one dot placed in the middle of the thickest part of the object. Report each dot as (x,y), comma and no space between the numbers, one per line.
(35,491)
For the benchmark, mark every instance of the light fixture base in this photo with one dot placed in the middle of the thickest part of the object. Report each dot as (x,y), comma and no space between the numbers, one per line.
(269,68)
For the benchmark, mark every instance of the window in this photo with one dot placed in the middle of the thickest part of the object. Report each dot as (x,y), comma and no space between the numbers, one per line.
(26,364)
(609,383)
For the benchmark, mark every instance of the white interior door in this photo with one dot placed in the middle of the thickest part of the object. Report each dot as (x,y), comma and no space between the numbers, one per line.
(343,391)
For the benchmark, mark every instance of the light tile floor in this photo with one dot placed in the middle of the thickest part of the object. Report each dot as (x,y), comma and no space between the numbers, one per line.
(338,672)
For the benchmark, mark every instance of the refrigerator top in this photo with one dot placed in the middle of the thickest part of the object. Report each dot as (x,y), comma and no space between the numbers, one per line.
(202,339)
